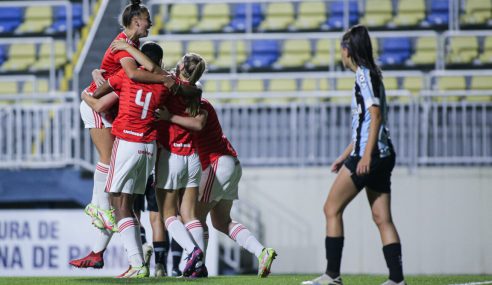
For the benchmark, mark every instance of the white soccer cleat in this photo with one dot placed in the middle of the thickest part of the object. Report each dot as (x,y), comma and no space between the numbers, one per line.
(135,272)
(324,280)
(147,253)
(391,282)
(91,211)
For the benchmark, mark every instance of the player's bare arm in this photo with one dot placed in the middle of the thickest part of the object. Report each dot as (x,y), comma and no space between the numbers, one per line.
(363,167)
(97,76)
(139,56)
(103,102)
(196,123)
(140,75)
(337,164)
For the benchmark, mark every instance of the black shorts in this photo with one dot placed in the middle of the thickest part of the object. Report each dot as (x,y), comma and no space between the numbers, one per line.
(379,177)
(139,204)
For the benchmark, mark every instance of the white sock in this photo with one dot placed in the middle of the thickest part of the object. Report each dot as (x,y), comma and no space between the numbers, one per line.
(242,236)
(130,234)
(99,195)
(196,230)
(102,240)
(178,232)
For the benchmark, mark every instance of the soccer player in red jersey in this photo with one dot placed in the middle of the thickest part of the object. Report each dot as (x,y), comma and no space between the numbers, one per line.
(136,22)
(134,151)
(219,182)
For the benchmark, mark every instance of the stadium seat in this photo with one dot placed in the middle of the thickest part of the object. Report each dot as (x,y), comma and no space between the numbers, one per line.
(409,13)
(486,56)
(3,54)
(238,22)
(214,18)
(37,19)
(310,84)
(480,83)
(344,84)
(21,56)
(310,16)
(225,55)
(378,13)
(250,85)
(439,13)
(41,85)
(425,51)
(173,51)
(278,17)
(462,50)
(390,83)
(44,59)
(182,18)
(212,86)
(263,54)
(322,51)
(204,48)
(60,18)
(158,20)
(449,83)
(414,84)
(9,87)
(295,54)
(477,12)
(281,85)
(10,19)
(335,20)
(395,51)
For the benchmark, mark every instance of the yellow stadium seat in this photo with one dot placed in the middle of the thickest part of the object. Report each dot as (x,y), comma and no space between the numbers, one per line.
(477,12)
(182,18)
(410,13)
(21,56)
(213,86)
(310,84)
(214,18)
(344,84)
(40,86)
(204,48)
(378,13)
(462,49)
(480,83)
(295,54)
(158,21)
(44,61)
(486,55)
(414,84)
(9,87)
(310,17)
(250,85)
(278,16)
(450,83)
(37,19)
(390,83)
(225,54)
(173,52)
(281,85)
(425,51)
(322,52)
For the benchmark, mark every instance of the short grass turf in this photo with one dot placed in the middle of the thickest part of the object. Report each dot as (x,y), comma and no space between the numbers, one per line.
(250,280)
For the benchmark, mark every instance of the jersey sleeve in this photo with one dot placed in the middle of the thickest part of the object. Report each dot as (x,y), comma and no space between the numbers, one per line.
(118,56)
(116,81)
(364,81)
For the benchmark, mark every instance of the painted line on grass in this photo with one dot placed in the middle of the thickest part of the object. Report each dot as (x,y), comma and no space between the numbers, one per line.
(474,283)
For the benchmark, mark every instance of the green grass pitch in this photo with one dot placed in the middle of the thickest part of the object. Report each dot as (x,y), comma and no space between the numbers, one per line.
(252,280)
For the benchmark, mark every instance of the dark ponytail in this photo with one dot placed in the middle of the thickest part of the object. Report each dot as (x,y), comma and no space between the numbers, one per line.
(134,9)
(358,43)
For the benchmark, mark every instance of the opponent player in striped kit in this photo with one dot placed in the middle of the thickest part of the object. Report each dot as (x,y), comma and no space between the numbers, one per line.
(219,182)
(136,22)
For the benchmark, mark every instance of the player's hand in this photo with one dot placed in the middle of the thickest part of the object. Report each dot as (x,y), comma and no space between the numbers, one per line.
(364,165)
(168,80)
(97,76)
(337,164)
(118,45)
(162,114)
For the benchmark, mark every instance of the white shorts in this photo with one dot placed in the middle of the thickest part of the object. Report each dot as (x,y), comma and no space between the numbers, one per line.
(176,172)
(220,180)
(131,165)
(93,119)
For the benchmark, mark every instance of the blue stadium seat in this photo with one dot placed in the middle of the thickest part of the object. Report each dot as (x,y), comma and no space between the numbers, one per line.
(439,13)
(335,21)
(10,19)
(263,54)
(3,54)
(238,22)
(395,51)
(60,16)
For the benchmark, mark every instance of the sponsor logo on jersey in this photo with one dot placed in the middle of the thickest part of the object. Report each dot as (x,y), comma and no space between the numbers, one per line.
(181,145)
(133,133)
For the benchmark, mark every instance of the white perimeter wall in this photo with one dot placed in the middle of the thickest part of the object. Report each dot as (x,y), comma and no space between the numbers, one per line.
(444,217)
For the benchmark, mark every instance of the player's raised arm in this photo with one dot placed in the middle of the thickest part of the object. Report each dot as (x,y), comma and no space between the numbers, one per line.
(101,104)
(196,123)
(139,56)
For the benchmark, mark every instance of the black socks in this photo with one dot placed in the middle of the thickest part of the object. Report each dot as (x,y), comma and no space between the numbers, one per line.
(392,254)
(334,247)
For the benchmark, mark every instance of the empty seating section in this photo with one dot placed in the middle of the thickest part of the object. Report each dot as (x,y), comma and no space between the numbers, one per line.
(263,54)
(30,57)
(462,50)
(20,57)
(278,17)
(409,13)
(439,13)
(295,54)
(239,20)
(425,51)
(377,13)
(486,56)
(173,51)
(182,18)
(214,18)
(335,20)
(395,51)
(228,52)
(10,19)
(310,16)
(477,12)
(204,48)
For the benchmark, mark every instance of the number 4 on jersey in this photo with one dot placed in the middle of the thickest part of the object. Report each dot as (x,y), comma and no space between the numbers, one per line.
(144,104)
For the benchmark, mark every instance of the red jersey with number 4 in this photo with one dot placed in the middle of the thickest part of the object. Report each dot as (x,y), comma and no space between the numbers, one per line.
(211,142)
(174,138)
(111,61)
(137,102)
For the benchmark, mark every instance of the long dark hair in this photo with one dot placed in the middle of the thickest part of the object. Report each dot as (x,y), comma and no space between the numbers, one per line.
(358,43)
(134,9)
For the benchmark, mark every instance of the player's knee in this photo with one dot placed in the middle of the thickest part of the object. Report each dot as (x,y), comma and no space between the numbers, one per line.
(381,219)
(331,211)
